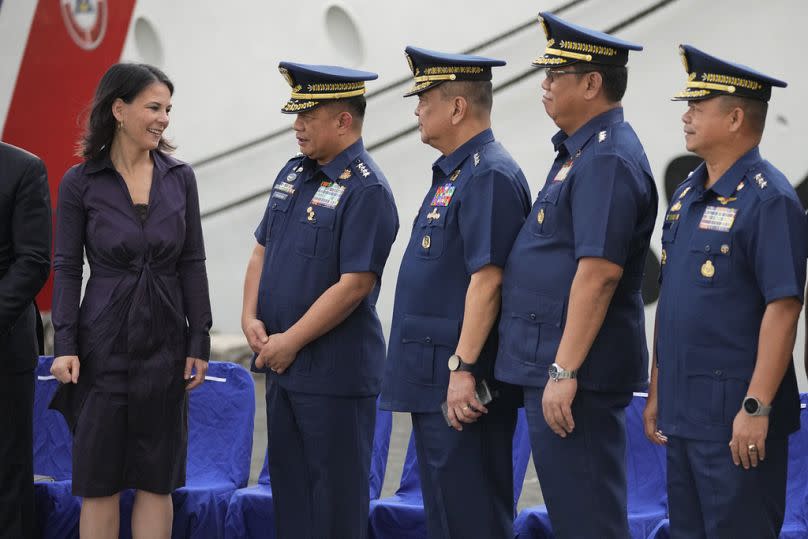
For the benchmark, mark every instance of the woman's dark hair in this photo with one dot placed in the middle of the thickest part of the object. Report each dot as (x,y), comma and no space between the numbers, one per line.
(124,81)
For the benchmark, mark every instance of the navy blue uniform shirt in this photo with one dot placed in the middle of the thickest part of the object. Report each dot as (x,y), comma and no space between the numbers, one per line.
(468,219)
(600,201)
(321,222)
(727,252)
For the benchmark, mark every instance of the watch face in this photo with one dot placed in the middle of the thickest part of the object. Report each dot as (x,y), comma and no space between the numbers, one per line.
(454,362)
(751,406)
(553,371)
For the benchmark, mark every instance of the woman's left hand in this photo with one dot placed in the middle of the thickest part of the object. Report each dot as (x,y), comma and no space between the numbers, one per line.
(193,364)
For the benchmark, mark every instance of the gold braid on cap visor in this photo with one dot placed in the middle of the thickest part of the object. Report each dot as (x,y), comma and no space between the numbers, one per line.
(338,95)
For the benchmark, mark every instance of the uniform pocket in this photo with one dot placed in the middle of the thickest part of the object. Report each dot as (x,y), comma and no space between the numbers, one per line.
(316,234)
(428,342)
(717,380)
(278,208)
(710,258)
(430,236)
(533,325)
(544,219)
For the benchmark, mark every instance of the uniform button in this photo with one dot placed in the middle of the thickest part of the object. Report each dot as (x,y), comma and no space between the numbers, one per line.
(706,248)
(274,205)
(718,372)
(532,316)
(428,340)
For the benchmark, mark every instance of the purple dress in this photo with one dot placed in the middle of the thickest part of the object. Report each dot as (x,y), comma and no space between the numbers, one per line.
(145,309)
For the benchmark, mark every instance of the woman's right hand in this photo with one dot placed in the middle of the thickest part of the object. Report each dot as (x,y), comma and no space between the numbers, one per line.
(66,369)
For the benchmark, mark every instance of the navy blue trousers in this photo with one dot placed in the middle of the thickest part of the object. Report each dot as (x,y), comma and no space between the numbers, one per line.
(710,497)
(319,449)
(583,476)
(467,477)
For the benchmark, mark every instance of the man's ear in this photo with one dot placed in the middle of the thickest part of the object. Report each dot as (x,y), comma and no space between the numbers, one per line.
(460,108)
(594,83)
(345,121)
(736,118)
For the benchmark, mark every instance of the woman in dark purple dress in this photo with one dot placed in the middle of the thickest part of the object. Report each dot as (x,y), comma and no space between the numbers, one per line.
(128,355)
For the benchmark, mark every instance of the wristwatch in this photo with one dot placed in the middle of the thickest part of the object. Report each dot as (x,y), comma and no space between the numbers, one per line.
(557,372)
(753,406)
(456,363)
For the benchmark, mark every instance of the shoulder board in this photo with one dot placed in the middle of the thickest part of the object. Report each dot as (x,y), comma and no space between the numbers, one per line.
(757,179)
(362,168)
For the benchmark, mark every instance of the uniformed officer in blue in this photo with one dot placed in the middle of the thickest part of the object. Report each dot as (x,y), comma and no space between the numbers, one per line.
(723,390)
(572,331)
(443,336)
(310,307)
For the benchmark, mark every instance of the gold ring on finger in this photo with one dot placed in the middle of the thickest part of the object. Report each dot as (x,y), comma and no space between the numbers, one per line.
(752,448)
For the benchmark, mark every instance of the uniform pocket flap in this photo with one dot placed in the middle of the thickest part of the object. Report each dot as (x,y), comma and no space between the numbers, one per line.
(319,217)
(552,192)
(711,243)
(535,307)
(720,363)
(430,330)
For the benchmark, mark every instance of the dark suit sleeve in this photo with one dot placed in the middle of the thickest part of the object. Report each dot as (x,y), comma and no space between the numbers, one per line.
(31,245)
(194,277)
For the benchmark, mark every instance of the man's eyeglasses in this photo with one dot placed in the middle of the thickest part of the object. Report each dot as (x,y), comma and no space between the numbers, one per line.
(552,74)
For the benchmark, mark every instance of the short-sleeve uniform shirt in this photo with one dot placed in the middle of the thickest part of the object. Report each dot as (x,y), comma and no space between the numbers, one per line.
(599,200)
(322,222)
(727,252)
(468,219)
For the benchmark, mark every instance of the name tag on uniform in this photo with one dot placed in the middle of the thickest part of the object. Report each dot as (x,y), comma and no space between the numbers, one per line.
(443,195)
(561,175)
(718,218)
(284,187)
(328,195)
